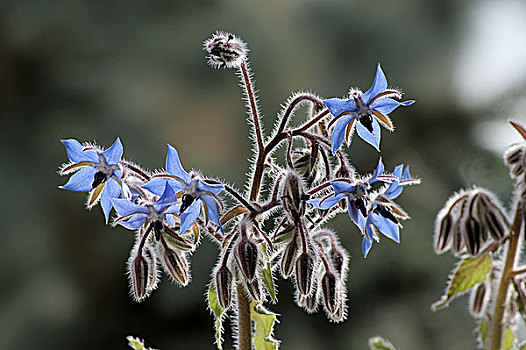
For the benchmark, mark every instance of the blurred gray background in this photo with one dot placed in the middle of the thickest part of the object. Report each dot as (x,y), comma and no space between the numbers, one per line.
(94,70)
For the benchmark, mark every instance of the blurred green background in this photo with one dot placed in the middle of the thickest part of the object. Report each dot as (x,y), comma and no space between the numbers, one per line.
(94,70)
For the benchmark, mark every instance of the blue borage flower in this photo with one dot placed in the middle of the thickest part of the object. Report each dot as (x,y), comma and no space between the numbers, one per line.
(95,171)
(150,215)
(356,194)
(368,109)
(195,192)
(384,213)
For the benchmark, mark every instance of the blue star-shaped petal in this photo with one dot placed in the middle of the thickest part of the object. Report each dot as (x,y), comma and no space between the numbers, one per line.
(196,193)
(133,216)
(95,171)
(370,109)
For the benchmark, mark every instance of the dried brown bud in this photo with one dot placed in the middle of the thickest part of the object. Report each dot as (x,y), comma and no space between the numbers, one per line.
(223,282)
(246,256)
(175,265)
(225,50)
(304,272)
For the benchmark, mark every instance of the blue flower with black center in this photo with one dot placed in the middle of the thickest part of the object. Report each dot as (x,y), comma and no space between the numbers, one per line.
(95,171)
(195,192)
(356,193)
(365,112)
(384,214)
(157,214)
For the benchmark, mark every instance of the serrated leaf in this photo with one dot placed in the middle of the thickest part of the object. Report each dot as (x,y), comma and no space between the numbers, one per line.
(217,311)
(507,339)
(264,321)
(484,330)
(466,274)
(379,343)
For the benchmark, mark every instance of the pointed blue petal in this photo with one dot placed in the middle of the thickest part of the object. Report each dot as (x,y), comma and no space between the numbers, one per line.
(331,201)
(158,184)
(125,207)
(372,139)
(406,174)
(134,222)
(75,154)
(338,133)
(356,216)
(174,167)
(81,181)
(111,190)
(367,242)
(379,85)
(189,216)
(338,106)
(386,226)
(386,105)
(113,154)
(378,171)
(170,220)
(167,198)
(214,188)
(342,186)
(211,206)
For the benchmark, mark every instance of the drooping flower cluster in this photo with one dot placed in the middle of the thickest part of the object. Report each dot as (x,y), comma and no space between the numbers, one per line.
(278,224)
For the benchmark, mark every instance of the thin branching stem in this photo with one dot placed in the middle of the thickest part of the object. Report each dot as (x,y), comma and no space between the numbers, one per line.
(252,104)
(292,105)
(505,280)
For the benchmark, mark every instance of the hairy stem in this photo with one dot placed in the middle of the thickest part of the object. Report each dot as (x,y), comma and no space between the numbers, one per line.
(505,281)
(243,319)
(247,83)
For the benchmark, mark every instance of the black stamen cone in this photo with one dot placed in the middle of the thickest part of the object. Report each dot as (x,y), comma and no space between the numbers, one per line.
(367,121)
(99,178)
(187,201)
(360,204)
(158,227)
(386,213)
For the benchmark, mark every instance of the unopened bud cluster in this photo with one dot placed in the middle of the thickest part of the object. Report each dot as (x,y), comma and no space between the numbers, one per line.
(468,221)
(225,50)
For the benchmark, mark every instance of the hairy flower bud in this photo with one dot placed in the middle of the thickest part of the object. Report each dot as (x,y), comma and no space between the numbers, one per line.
(304,272)
(175,265)
(225,50)
(293,197)
(309,301)
(254,289)
(339,260)
(329,292)
(139,273)
(472,235)
(478,299)
(289,258)
(445,233)
(246,256)
(223,283)
(151,259)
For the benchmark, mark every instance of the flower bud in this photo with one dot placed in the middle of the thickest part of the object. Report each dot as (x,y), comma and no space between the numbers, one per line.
(309,301)
(339,260)
(444,236)
(304,272)
(246,256)
(329,292)
(289,258)
(139,277)
(292,197)
(178,242)
(151,259)
(478,299)
(176,266)
(254,289)
(497,229)
(339,313)
(473,235)
(223,283)
(225,50)
(514,154)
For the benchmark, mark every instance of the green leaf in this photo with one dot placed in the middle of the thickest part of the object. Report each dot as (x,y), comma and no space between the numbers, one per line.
(507,339)
(484,330)
(522,346)
(218,312)
(466,274)
(266,275)
(136,343)
(264,321)
(379,343)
